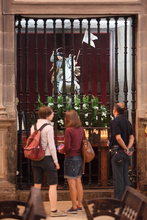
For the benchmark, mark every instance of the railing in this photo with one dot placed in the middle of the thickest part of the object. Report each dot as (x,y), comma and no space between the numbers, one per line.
(102,71)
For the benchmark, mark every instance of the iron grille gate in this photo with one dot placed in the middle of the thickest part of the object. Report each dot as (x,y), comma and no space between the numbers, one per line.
(86,64)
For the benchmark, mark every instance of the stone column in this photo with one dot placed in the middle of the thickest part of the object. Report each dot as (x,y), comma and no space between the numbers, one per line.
(2,108)
(7,164)
(7,108)
(141,76)
(142,154)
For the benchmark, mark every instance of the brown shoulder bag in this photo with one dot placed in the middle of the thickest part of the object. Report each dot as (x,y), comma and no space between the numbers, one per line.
(87,152)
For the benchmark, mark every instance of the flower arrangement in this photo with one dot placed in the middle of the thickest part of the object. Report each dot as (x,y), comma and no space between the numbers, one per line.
(65,105)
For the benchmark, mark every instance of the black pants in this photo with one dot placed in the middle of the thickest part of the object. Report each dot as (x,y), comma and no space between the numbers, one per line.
(47,167)
(120,174)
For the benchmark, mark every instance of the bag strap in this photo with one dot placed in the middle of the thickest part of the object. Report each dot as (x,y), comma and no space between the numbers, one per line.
(35,126)
(83,167)
(43,126)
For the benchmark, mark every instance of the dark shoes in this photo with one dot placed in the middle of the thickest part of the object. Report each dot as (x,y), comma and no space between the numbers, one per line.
(79,208)
(57,213)
(72,211)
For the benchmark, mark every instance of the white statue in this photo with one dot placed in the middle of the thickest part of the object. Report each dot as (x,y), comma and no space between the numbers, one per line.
(68,72)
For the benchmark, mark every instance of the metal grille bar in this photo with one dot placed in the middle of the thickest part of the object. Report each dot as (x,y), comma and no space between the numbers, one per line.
(105,64)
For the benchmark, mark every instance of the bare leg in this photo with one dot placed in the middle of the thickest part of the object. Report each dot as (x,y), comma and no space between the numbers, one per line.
(53,197)
(73,192)
(79,187)
(38,186)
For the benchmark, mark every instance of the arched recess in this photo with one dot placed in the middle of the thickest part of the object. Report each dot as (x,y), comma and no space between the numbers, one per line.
(104,51)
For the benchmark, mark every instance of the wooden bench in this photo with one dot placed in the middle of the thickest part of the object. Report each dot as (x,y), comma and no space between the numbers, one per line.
(132,206)
(33,209)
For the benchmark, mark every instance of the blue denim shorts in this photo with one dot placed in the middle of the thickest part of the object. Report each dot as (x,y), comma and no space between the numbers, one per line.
(73,167)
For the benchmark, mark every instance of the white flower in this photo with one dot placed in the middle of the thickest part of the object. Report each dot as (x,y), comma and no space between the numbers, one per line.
(50,104)
(59,105)
(61,121)
(104,114)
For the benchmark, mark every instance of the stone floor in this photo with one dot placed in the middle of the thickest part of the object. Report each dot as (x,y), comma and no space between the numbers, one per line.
(63,206)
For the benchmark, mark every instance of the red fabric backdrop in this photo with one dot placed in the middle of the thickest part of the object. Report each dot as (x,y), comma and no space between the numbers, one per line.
(89,57)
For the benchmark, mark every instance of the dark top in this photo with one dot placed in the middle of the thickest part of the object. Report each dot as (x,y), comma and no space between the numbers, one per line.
(73,141)
(120,126)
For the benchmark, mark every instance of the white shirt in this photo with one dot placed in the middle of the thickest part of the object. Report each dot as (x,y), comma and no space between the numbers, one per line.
(47,138)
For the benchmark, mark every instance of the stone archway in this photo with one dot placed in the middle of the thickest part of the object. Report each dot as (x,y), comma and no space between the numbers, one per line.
(106,75)
(8,9)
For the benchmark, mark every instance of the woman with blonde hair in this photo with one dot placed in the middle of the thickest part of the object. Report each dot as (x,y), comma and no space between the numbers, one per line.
(74,135)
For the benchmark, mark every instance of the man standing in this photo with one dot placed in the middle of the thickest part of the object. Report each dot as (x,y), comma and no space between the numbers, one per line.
(121,142)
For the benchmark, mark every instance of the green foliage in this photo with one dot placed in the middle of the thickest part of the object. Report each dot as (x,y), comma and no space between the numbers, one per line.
(90,109)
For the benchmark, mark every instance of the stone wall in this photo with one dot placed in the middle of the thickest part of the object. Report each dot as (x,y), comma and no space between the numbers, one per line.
(142,154)
(7,107)
(141,81)
(75,8)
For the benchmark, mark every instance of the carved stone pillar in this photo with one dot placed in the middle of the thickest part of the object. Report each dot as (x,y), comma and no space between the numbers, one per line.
(7,160)
(8,157)
(142,154)
(3,113)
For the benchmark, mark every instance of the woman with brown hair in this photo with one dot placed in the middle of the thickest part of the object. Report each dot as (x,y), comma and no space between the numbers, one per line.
(74,135)
(49,164)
